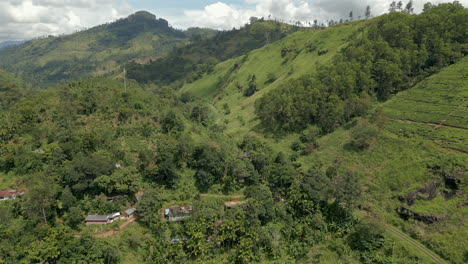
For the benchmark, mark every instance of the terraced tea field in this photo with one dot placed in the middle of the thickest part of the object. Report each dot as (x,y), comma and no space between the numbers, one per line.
(435,109)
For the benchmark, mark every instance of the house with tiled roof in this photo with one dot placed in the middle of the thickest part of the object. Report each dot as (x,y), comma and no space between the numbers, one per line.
(10,194)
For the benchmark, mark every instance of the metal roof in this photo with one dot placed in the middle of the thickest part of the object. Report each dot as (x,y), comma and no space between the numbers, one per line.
(100,218)
(130,211)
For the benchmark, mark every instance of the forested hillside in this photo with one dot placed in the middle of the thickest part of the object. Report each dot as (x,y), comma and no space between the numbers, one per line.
(190,62)
(267,144)
(96,51)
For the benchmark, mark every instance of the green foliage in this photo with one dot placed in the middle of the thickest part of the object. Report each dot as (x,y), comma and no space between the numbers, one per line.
(209,162)
(316,186)
(362,135)
(149,208)
(121,181)
(367,237)
(393,52)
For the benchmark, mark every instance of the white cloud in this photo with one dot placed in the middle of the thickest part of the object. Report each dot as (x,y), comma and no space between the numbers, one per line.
(25,19)
(217,15)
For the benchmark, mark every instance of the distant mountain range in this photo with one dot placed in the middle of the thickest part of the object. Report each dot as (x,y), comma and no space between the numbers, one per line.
(6,44)
(97,51)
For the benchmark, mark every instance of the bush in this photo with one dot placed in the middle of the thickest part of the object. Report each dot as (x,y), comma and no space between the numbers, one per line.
(310,135)
(362,135)
(367,237)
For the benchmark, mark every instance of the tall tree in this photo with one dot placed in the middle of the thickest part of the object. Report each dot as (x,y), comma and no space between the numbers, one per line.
(409,7)
(368,12)
(392,7)
(399,6)
(351,16)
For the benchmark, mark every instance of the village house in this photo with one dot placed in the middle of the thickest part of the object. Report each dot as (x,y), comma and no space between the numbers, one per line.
(177,213)
(10,194)
(101,219)
(130,212)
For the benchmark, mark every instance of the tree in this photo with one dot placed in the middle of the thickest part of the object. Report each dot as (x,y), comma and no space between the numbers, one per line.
(171,122)
(409,7)
(367,237)
(122,181)
(74,217)
(399,6)
(149,207)
(393,7)
(316,186)
(368,12)
(362,135)
(351,16)
(261,204)
(40,202)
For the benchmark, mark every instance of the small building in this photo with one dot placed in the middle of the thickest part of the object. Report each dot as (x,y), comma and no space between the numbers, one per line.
(98,220)
(10,194)
(101,219)
(114,216)
(130,212)
(177,213)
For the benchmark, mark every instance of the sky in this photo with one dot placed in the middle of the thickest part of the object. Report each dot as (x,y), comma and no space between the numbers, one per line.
(26,19)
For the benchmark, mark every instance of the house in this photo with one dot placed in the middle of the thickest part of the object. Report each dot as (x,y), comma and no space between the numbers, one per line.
(130,212)
(177,213)
(101,219)
(10,194)
(114,216)
(98,220)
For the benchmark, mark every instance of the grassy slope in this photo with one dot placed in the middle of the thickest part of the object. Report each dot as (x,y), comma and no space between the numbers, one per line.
(396,163)
(222,86)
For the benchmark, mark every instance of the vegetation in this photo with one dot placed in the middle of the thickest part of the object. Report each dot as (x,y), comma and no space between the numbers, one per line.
(290,149)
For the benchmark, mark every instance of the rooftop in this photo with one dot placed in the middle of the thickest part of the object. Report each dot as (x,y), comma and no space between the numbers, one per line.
(10,193)
(97,218)
(130,211)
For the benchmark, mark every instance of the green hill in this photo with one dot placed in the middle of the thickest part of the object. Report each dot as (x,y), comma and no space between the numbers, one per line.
(96,51)
(189,63)
(272,66)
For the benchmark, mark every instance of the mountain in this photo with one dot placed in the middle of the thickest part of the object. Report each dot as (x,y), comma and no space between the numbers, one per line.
(190,62)
(96,51)
(7,44)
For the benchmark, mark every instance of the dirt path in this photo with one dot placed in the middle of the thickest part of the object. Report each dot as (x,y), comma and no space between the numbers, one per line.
(408,239)
(421,248)
(449,114)
(435,125)
(111,232)
(222,196)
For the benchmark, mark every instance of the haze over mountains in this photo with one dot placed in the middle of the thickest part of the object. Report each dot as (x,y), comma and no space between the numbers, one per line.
(271,143)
